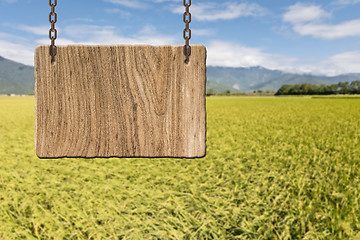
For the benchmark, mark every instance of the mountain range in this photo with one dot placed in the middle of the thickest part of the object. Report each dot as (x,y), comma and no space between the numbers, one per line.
(259,78)
(17,78)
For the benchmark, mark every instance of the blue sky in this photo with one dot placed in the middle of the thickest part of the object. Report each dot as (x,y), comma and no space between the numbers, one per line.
(318,37)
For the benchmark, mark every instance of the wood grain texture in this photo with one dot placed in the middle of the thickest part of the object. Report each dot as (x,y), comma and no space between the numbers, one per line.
(120,101)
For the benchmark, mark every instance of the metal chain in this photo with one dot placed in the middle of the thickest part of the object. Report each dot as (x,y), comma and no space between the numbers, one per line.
(187,30)
(53,31)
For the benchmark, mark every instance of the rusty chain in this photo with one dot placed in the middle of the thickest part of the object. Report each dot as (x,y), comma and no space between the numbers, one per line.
(187,30)
(53,31)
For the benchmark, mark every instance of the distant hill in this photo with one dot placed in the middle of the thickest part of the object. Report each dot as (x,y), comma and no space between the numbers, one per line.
(18,78)
(219,88)
(255,78)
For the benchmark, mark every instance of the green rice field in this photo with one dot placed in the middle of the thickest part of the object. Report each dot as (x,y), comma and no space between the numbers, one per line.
(276,168)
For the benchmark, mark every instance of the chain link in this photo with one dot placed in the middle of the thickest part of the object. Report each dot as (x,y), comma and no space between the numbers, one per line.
(187,30)
(53,31)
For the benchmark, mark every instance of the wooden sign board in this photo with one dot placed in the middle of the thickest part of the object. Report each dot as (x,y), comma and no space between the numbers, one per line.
(120,101)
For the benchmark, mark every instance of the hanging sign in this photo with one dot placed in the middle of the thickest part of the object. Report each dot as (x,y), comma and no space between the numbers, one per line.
(120,101)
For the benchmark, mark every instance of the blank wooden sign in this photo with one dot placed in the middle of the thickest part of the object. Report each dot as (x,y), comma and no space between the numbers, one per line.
(120,101)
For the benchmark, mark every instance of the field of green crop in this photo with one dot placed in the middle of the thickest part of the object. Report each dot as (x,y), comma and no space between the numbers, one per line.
(276,168)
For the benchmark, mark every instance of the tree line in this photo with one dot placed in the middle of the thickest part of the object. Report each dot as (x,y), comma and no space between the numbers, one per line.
(314,89)
(211,92)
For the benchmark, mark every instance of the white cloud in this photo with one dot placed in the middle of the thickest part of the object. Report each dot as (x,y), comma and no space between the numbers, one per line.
(222,11)
(16,49)
(345,2)
(80,32)
(230,54)
(122,13)
(42,30)
(139,4)
(203,32)
(94,34)
(60,41)
(328,31)
(79,19)
(161,1)
(17,52)
(346,62)
(128,3)
(301,13)
(341,63)
(309,20)
(37,30)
